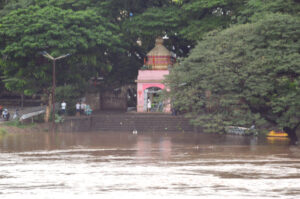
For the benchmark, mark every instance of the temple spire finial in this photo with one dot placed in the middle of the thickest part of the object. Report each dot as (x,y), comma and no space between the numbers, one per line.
(159,41)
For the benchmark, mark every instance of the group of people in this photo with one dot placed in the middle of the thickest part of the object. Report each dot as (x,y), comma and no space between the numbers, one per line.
(4,113)
(81,108)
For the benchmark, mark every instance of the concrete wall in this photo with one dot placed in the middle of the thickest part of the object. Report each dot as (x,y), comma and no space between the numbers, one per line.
(93,99)
(109,98)
(114,99)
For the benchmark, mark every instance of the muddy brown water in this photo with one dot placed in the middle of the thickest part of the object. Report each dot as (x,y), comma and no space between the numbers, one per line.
(148,165)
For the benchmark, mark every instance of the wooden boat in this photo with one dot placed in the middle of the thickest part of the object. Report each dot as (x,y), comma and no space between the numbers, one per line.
(277,134)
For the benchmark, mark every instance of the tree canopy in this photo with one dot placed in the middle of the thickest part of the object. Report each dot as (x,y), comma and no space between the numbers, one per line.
(100,35)
(247,74)
(24,33)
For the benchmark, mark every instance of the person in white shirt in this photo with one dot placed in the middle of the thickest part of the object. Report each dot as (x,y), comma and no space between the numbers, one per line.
(148,105)
(82,107)
(63,107)
(77,108)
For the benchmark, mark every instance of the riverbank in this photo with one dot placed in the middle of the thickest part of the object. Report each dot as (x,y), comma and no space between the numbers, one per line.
(15,127)
(108,121)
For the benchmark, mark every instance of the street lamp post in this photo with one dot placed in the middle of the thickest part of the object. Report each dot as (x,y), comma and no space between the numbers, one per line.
(47,55)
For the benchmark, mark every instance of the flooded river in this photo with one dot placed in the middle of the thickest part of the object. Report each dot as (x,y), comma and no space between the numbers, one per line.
(123,165)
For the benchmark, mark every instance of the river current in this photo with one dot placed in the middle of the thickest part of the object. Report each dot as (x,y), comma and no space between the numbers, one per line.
(149,165)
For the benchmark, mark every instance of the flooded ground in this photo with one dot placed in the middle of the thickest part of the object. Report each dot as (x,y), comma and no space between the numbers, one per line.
(123,165)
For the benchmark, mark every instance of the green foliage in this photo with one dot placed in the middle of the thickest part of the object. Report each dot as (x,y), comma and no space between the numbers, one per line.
(68,92)
(155,21)
(200,17)
(59,118)
(3,131)
(8,6)
(18,85)
(18,124)
(243,75)
(54,29)
(257,9)
(184,22)
(178,1)
(26,32)
(100,34)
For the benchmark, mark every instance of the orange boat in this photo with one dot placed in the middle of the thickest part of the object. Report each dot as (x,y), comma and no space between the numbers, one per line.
(277,134)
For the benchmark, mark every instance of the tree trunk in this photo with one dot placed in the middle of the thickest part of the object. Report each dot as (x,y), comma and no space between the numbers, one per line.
(48,108)
(292,134)
(22,100)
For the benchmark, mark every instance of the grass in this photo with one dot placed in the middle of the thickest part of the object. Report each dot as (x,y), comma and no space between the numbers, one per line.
(18,124)
(3,131)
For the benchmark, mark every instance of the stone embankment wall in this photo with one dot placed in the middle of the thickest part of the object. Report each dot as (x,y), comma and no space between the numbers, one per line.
(110,98)
(126,122)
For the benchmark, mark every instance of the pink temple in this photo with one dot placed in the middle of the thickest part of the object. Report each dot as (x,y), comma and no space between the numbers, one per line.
(150,81)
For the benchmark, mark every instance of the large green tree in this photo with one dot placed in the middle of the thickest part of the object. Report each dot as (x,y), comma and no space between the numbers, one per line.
(243,75)
(25,32)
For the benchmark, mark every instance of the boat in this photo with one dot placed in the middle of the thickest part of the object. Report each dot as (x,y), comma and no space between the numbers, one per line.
(277,134)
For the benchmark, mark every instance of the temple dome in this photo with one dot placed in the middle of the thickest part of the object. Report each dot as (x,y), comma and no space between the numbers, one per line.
(159,58)
(159,49)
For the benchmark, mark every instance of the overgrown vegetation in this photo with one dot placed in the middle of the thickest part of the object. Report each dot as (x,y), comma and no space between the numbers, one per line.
(18,124)
(247,74)
(3,131)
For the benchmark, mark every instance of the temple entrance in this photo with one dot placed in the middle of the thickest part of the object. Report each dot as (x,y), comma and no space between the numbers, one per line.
(154,94)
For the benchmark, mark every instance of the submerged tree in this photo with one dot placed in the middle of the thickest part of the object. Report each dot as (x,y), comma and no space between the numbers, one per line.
(247,74)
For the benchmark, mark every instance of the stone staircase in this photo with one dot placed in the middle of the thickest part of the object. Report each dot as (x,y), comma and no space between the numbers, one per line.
(152,122)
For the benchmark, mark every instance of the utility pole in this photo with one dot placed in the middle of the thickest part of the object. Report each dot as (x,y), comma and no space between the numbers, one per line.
(47,55)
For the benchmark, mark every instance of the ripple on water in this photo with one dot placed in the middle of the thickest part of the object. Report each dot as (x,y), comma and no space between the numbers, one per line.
(166,170)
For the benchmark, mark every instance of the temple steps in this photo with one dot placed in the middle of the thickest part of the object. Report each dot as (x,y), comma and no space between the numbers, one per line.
(128,122)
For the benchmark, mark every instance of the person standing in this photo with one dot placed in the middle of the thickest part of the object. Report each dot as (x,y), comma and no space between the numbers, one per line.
(77,109)
(16,114)
(5,114)
(63,107)
(1,109)
(82,107)
(148,105)
(88,110)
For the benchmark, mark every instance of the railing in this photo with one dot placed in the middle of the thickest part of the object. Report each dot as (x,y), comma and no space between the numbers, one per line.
(30,115)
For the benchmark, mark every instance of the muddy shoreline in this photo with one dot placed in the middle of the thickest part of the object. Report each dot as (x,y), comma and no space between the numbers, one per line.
(35,127)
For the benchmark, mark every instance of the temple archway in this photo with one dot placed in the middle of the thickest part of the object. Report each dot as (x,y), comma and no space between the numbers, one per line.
(156,100)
